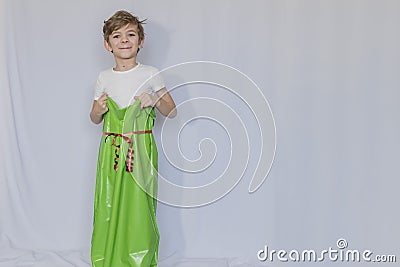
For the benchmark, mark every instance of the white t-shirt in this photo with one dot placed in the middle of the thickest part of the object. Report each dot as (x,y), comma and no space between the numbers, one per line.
(122,86)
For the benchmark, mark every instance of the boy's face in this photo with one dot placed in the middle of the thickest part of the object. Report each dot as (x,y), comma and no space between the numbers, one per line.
(124,42)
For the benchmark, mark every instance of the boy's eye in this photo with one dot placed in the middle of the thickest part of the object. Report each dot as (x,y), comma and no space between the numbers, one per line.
(131,34)
(115,36)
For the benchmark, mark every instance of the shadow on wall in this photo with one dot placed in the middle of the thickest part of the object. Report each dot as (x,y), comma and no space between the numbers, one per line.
(156,44)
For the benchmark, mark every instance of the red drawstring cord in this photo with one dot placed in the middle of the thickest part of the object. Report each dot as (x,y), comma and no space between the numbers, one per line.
(129,157)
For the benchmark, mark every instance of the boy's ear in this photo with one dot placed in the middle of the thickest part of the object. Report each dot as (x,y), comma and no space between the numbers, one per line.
(141,43)
(107,46)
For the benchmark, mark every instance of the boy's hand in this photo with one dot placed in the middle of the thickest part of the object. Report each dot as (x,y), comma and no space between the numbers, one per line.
(147,100)
(101,104)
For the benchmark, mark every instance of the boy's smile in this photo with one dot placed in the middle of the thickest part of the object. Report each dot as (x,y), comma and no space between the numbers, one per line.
(124,43)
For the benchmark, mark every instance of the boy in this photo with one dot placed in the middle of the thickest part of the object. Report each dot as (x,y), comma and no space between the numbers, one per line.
(125,232)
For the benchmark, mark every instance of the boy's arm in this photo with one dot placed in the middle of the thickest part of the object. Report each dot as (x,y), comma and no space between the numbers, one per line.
(165,104)
(98,109)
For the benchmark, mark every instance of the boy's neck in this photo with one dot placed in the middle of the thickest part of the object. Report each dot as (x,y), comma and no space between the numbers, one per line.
(124,65)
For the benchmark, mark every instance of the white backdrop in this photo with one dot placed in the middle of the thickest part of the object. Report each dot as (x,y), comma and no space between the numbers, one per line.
(329,69)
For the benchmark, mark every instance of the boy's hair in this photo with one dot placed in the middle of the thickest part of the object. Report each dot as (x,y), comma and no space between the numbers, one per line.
(120,19)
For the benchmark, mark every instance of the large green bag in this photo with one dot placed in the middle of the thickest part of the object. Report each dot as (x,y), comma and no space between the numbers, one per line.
(125,232)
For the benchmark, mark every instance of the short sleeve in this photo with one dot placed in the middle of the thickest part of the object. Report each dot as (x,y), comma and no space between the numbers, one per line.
(156,81)
(99,90)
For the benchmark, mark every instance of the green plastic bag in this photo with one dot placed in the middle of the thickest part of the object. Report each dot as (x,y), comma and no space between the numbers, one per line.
(125,231)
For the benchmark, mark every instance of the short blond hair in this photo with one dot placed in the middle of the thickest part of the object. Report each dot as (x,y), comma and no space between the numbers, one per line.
(120,19)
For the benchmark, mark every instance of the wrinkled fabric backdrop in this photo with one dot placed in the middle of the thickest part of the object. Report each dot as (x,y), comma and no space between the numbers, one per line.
(329,70)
